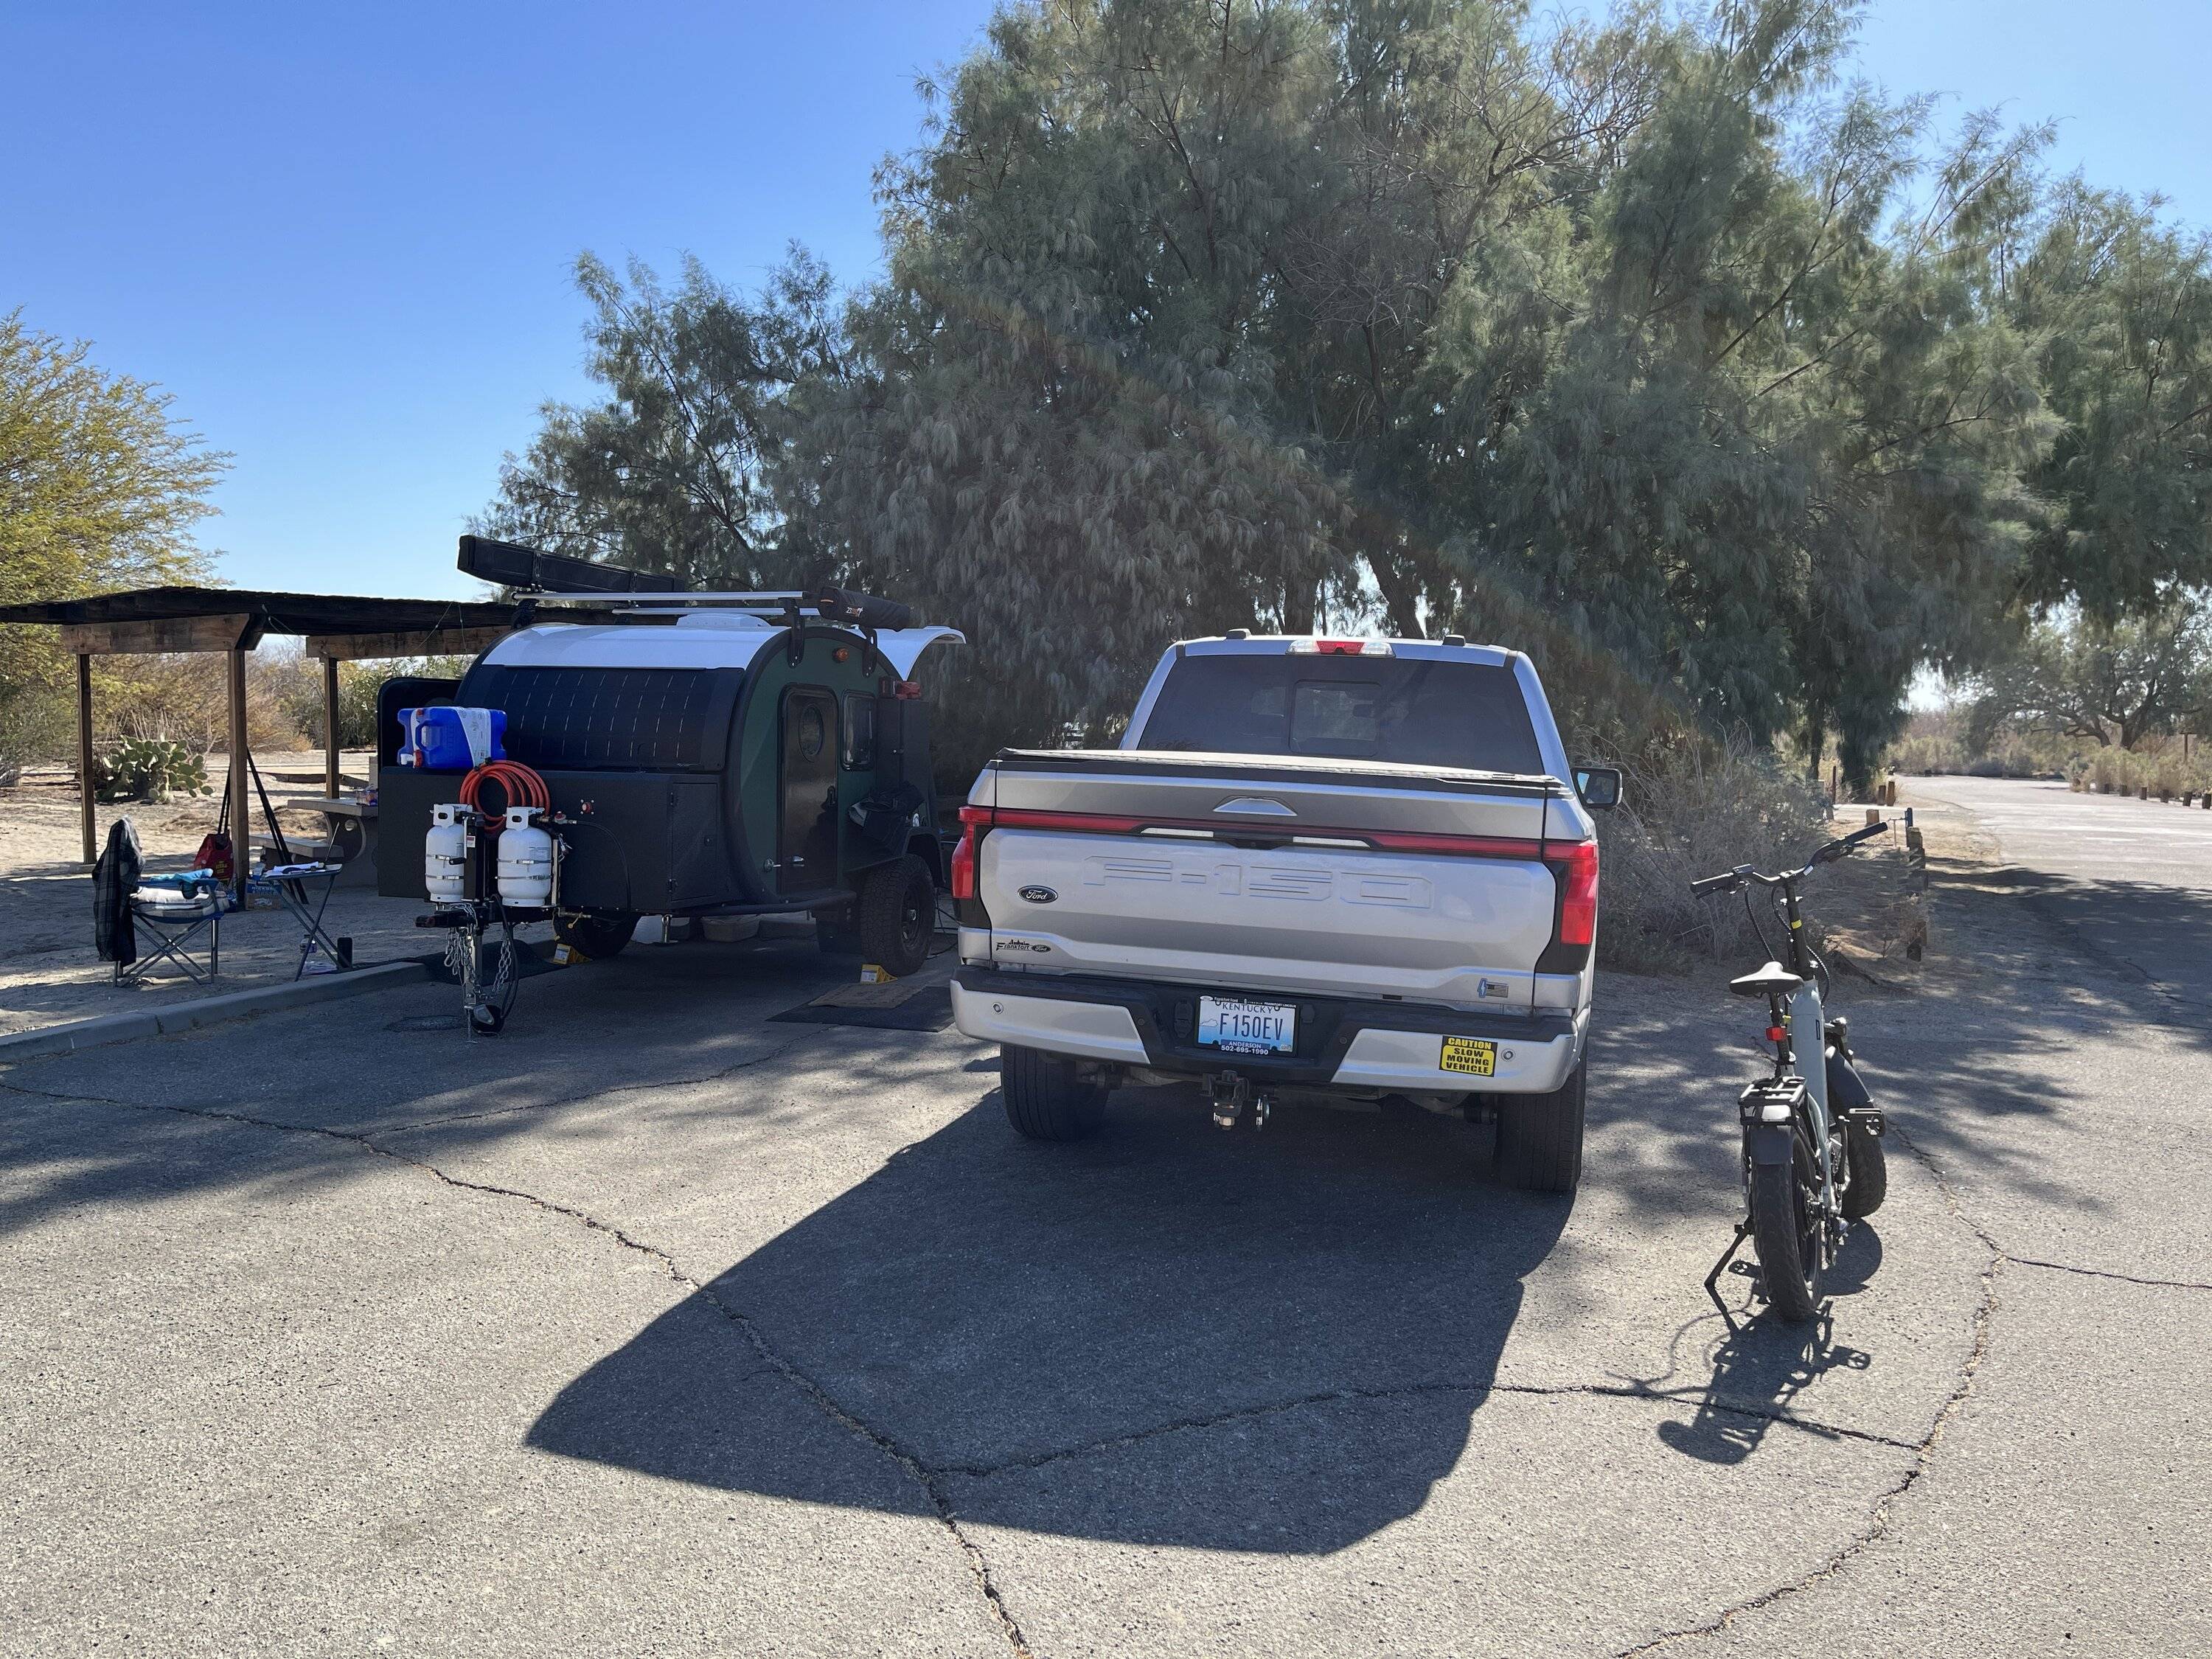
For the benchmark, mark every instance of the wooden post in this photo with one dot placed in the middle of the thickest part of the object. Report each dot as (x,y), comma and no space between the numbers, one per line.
(241,826)
(330,728)
(84,757)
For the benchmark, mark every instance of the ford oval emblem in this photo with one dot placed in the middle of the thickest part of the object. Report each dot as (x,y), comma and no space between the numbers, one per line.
(1039,894)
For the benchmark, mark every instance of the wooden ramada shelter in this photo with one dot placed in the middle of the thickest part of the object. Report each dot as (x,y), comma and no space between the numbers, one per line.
(335,628)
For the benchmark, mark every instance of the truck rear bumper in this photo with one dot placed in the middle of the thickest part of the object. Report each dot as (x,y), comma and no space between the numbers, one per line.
(1349,1043)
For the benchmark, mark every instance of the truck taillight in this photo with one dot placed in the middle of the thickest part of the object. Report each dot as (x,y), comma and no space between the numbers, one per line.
(1577,866)
(963,856)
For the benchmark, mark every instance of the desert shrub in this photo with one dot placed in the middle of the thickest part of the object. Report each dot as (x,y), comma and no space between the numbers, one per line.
(37,723)
(301,694)
(149,769)
(186,699)
(2160,766)
(1690,812)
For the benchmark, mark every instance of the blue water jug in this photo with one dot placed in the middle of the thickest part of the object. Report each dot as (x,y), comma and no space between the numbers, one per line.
(437,739)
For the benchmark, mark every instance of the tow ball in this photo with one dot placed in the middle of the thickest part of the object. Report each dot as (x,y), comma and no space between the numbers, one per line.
(1233,1099)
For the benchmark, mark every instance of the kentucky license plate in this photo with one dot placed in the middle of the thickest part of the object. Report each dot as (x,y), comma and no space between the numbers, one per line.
(1476,1056)
(1238,1027)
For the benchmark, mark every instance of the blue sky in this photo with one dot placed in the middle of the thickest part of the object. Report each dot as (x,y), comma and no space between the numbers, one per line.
(341,235)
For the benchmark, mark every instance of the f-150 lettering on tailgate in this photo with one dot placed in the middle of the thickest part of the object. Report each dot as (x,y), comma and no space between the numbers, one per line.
(1275,882)
(1098,871)
(1301,883)
(1410,891)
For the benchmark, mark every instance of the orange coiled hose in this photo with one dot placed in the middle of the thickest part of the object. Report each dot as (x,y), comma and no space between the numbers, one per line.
(518,784)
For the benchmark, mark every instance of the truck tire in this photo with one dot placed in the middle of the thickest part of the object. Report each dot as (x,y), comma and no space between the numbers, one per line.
(1540,1137)
(597,936)
(896,915)
(1045,1099)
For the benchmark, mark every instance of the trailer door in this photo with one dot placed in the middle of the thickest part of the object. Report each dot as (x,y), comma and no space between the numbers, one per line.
(806,817)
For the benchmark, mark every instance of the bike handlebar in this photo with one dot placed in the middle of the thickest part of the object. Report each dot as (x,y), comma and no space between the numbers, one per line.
(1730,881)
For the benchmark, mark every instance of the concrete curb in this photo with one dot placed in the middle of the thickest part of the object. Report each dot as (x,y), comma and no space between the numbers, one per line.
(204,1011)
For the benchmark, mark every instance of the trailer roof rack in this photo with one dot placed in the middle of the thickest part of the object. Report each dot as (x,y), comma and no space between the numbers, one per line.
(555,576)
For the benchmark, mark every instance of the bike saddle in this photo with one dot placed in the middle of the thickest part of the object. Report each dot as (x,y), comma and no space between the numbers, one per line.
(1771,981)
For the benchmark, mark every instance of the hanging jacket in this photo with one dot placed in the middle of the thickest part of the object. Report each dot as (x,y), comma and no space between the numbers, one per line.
(114,878)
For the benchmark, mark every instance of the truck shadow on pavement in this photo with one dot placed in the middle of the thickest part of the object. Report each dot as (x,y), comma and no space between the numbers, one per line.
(1170,1335)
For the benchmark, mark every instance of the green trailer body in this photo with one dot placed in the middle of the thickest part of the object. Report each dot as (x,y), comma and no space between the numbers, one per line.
(700,762)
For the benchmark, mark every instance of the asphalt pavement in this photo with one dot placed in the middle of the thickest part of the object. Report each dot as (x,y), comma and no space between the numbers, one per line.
(651,1326)
(2129,880)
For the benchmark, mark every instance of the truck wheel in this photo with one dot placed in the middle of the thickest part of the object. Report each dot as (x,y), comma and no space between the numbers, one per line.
(1868,1167)
(598,937)
(895,915)
(1045,1099)
(1540,1137)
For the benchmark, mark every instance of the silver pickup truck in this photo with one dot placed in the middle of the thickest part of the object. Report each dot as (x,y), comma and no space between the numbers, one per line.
(1361,868)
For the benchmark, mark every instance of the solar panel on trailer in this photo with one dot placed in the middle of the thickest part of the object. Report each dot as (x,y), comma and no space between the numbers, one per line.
(511,565)
(669,720)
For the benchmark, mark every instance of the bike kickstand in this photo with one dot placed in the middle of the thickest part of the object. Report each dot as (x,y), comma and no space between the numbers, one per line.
(1712,1279)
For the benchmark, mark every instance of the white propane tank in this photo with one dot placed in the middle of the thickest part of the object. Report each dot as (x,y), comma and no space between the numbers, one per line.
(445,854)
(526,861)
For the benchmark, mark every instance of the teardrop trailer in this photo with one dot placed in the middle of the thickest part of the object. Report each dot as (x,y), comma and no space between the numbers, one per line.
(739,754)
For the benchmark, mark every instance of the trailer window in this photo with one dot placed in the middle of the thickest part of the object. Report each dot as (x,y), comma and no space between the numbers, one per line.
(1414,711)
(860,731)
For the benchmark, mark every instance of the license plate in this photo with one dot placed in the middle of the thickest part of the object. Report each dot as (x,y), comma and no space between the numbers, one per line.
(1238,1027)
(1476,1056)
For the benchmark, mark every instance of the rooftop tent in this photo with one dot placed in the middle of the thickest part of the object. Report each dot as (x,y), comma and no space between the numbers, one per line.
(508,564)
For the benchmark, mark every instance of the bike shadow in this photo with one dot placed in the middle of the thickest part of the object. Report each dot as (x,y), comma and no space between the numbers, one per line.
(1764,1364)
(1041,1323)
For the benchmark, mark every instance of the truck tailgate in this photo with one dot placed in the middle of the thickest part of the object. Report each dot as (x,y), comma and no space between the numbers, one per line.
(1260,872)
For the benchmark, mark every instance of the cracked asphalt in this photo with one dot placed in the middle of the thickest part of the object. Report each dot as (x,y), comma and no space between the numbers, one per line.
(651,1328)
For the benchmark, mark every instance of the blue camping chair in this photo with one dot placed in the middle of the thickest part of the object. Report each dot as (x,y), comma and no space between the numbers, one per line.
(173,917)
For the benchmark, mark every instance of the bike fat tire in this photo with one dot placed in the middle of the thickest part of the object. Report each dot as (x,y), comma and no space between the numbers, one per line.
(1868,1165)
(1780,1205)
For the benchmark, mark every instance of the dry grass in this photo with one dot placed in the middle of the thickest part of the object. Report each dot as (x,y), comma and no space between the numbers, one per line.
(1695,812)
(2160,766)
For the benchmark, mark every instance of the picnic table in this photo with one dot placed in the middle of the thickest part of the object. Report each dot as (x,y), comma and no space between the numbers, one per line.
(350,827)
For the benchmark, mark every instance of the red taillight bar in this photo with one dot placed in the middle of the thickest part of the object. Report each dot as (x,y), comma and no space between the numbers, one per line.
(1389,841)
(1021,818)
(1577,862)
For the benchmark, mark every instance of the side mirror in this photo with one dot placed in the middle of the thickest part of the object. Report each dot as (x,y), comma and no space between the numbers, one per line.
(1599,786)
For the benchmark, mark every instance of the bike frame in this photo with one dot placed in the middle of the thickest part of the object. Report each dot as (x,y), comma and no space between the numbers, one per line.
(1805,1011)
(1808,1013)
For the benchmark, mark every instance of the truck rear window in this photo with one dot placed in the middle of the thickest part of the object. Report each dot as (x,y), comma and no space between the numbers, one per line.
(1386,708)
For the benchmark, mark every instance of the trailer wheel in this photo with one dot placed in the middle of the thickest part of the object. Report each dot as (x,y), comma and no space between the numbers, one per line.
(1045,1098)
(895,915)
(598,936)
(1540,1137)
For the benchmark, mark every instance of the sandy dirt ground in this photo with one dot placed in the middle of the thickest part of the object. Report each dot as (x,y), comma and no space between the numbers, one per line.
(48,971)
